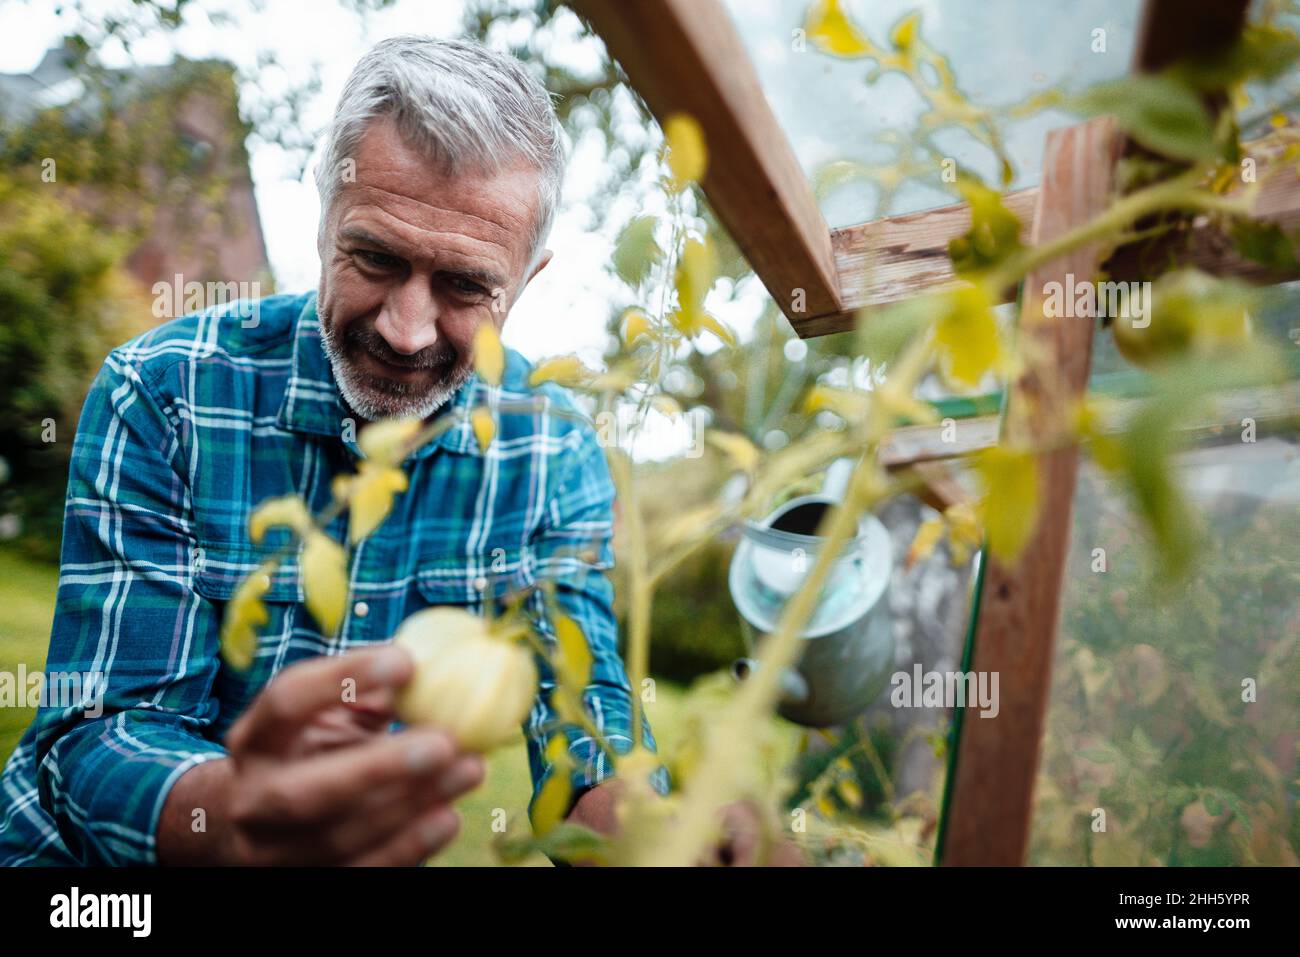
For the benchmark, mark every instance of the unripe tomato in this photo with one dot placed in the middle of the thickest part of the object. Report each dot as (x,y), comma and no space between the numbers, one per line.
(1190,312)
(467,681)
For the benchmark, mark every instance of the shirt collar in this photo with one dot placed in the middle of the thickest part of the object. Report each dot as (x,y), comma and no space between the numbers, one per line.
(312,402)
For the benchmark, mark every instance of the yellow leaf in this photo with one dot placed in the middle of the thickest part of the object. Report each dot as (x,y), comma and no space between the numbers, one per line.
(666,405)
(966,336)
(849,791)
(994,234)
(894,401)
(325,580)
(848,404)
(341,487)
(688,155)
(829,28)
(244,615)
(573,666)
(485,427)
(287,510)
(742,452)
(686,320)
(926,538)
(553,800)
(370,498)
(565,370)
(904,34)
(615,380)
(964,532)
(1008,480)
(386,441)
(1091,421)
(635,325)
(718,329)
(489,356)
(695,272)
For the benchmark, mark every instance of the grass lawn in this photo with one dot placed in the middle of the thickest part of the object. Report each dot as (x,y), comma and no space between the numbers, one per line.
(26,609)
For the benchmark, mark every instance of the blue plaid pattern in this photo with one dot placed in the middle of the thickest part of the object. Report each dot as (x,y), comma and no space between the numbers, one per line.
(185,430)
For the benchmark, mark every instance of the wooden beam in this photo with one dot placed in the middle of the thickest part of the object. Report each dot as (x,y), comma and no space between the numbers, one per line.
(1205,246)
(927,443)
(1274,405)
(898,257)
(1172,30)
(992,791)
(940,488)
(686,56)
(891,259)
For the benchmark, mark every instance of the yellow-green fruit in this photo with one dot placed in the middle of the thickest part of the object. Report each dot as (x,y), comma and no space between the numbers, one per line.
(1188,312)
(468,682)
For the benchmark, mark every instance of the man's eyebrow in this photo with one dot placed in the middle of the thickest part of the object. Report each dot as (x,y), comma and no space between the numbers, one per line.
(485,278)
(358,235)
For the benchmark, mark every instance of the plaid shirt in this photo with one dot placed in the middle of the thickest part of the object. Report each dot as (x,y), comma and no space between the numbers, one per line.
(185,430)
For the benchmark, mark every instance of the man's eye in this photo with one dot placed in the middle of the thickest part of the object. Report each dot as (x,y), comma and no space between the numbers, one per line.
(468,286)
(376,260)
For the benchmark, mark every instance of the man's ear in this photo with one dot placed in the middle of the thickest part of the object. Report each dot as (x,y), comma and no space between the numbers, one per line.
(541,264)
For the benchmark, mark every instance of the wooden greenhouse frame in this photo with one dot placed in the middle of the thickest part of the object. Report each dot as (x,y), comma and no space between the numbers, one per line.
(686,56)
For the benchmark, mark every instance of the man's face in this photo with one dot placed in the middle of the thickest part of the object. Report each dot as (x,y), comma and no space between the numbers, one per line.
(412,261)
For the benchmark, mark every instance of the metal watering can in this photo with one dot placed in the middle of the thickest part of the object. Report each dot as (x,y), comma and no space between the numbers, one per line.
(848,652)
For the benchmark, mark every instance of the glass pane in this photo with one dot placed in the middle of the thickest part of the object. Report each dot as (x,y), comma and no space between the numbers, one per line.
(1001,52)
(1172,730)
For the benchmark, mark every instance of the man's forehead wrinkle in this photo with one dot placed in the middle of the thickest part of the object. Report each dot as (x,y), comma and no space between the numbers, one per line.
(509,222)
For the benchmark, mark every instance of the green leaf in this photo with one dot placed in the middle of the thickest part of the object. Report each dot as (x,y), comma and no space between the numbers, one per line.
(1265,243)
(637,251)
(1162,113)
(1264,51)
(564,842)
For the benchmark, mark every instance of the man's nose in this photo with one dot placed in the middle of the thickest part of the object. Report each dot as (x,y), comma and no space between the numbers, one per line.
(408,320)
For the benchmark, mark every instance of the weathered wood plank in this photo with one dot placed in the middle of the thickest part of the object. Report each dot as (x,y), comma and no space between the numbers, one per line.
(892,259)
(992,792)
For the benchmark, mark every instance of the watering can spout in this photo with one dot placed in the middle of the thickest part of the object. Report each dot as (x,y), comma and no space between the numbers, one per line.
(794,688)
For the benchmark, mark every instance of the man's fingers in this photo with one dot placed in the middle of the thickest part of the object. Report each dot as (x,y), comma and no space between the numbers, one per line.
(425,837)
(372,823)
(326,785)
(296,694)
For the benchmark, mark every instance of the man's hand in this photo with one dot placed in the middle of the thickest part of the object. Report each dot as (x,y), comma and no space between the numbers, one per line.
(747,839)
(312,780)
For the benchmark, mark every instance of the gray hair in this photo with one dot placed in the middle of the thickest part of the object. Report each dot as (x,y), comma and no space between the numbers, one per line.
(463,105)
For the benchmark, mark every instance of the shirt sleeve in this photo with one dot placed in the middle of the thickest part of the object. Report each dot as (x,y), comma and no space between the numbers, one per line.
(128,622)
(574,551)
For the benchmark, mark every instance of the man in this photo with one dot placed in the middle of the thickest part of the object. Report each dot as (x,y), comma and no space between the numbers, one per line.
(439,183)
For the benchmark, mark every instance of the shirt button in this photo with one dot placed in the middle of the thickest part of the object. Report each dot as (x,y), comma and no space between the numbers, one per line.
(480,583)
(360,609)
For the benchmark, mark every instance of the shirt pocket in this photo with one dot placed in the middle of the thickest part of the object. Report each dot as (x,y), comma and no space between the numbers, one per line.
(220,569)
(472,581)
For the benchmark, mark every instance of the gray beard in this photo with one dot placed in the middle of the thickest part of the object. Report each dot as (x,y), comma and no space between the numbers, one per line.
(392,400)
